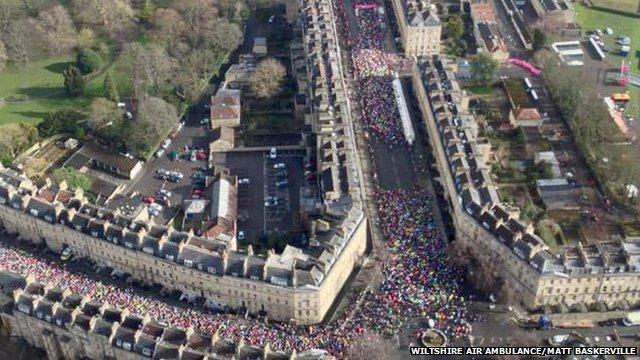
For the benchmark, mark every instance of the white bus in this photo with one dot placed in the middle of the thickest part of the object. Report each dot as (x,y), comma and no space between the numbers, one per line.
(528,83)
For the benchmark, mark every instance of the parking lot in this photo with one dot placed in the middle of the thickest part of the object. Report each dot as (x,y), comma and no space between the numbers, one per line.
(193,135)
(263,205)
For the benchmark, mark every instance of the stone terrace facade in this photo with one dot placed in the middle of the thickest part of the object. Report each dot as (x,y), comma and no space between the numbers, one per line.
(602,275)
(298,285)
(70,326)
(419,25)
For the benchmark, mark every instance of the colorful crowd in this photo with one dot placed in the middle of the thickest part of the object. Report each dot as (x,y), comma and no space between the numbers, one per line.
(416,283)
(416,280)
(373,68)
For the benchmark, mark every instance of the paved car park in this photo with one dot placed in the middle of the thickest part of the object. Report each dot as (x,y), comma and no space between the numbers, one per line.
(263,205)
(194,135)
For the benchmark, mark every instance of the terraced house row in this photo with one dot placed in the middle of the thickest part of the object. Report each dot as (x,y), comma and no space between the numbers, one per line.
(298,285)
(71,326)
(604,275)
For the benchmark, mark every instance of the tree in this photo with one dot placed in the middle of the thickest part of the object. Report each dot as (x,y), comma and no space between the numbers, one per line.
(149,66)
(88,61)
(154,119)
(455,27)
(73,81)
(63,121)
(146,10)
(3,56)
(105,13)
(221,36)
(266,81)
(74,178)
(484,67)
(57,29)
(22,41)
(103,112)
(109,88)
(86,37)
(14,138)
(168,25)
(539,38)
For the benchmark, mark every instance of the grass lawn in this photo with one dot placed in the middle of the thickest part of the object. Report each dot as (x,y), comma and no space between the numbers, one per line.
(629,26)
(480,89)
(622,5)
(41,81)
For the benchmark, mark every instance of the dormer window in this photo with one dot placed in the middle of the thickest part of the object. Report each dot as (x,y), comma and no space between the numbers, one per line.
(148,250)
(126,345)
(3,200)
(211,270)
(78,227)
(16,205)
(146,352)
(169,257)
(129,245)
(49,218)
(188,263)
(33,212)
(94,233)
(58,322)
(199,266)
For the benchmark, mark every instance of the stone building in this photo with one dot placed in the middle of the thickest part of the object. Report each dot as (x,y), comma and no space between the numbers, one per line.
(72,326)
(298,285)
(419,25)
(225,108)
(606,274)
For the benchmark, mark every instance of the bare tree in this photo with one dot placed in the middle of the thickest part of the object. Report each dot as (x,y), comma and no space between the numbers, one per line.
(149,66)
(22,41)
(168,24)
(371,346)
(154,119)
(110,14)
(103,112)
(15,138)
(3,56)
(57,29)
(267,79)
(196,14)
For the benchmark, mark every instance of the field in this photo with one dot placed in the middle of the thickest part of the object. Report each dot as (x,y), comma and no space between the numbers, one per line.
(620,5)
(591,19)
(41,83)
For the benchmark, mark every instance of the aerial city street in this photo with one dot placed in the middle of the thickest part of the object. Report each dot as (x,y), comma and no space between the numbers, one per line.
(318,179)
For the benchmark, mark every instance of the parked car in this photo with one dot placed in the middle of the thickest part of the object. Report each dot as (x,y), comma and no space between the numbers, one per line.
(282,183)
(270,201)
(273,153)
(201,155)
(166,143)
(159,153)
(67,253)
(557,340)
(280,166)
(243,181)
(240,235)
(148,199)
